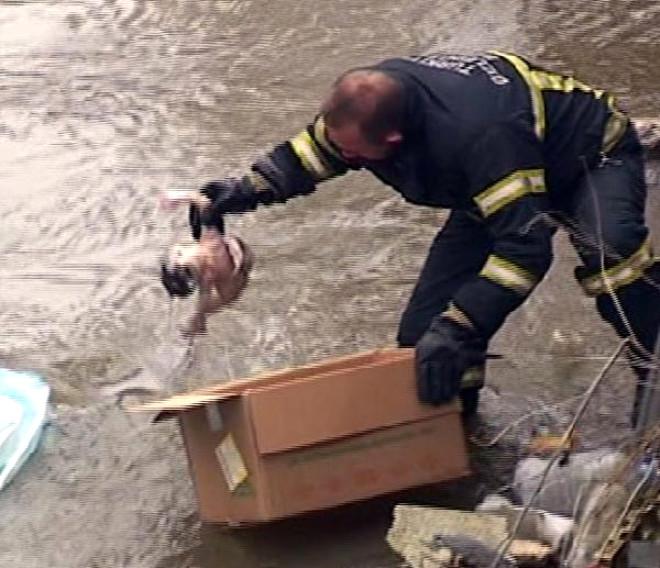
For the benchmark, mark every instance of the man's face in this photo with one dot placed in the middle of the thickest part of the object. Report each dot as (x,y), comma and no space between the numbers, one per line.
(349,141)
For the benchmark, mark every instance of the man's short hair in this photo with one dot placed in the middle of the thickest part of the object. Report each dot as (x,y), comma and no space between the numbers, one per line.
(369,98)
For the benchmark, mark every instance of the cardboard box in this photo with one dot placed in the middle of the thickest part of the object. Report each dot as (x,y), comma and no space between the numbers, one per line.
(313,437)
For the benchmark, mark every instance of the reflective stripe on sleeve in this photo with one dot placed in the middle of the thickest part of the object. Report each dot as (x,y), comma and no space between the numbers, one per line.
(259,182)
(509,275)
(310,156)
(512,187)
(455,314)
(627,271)
(322,138)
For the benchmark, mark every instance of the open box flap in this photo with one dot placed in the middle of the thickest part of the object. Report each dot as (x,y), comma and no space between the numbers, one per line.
(169,407)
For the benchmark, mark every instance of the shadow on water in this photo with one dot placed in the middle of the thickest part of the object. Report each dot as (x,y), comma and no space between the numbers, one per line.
(350,536)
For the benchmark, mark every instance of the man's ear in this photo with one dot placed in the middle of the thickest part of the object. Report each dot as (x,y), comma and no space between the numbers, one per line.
(394,137)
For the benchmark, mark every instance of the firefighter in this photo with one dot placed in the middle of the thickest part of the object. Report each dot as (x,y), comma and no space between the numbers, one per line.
(514,151)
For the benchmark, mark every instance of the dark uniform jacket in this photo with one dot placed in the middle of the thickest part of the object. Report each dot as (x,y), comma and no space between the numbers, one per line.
(489,134)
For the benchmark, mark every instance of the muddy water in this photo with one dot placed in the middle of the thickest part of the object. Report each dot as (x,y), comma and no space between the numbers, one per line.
(103,103)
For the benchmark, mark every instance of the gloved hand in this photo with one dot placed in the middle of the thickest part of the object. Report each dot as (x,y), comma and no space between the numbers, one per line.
(442,355)
(231,195)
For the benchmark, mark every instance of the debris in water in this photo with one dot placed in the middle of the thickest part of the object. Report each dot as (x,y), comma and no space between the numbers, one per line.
(546,444)
(625,506)
(414,530)
(23,406)
(565,484)
(537,525)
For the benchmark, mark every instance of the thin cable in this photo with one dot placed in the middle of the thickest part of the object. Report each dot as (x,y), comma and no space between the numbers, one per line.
(568,434)
(603,271)
(522,419)
(604,250)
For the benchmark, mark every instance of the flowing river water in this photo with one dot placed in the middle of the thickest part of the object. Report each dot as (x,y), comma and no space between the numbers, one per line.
(105,102)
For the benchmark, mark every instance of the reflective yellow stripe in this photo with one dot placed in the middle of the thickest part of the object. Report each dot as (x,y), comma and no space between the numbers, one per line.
(538,106)
(322,139)
(259,182)
(512,187)
(510,275)
(616,123)
(614,129)
(310,156)
(624,273)
(457,315)
(539,80)
(548,81)
(474,377)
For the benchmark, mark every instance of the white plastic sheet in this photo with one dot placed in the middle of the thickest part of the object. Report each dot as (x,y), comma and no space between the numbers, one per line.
(23,405)
(565,485)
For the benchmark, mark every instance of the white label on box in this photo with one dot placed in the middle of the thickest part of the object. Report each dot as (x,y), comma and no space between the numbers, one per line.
(231,462)
(213,417)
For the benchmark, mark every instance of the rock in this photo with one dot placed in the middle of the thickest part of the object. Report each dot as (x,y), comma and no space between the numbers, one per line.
(427,536)
(418,534)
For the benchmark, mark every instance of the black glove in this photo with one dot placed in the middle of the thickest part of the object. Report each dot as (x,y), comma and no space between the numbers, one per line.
(442,355)
(231,195)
